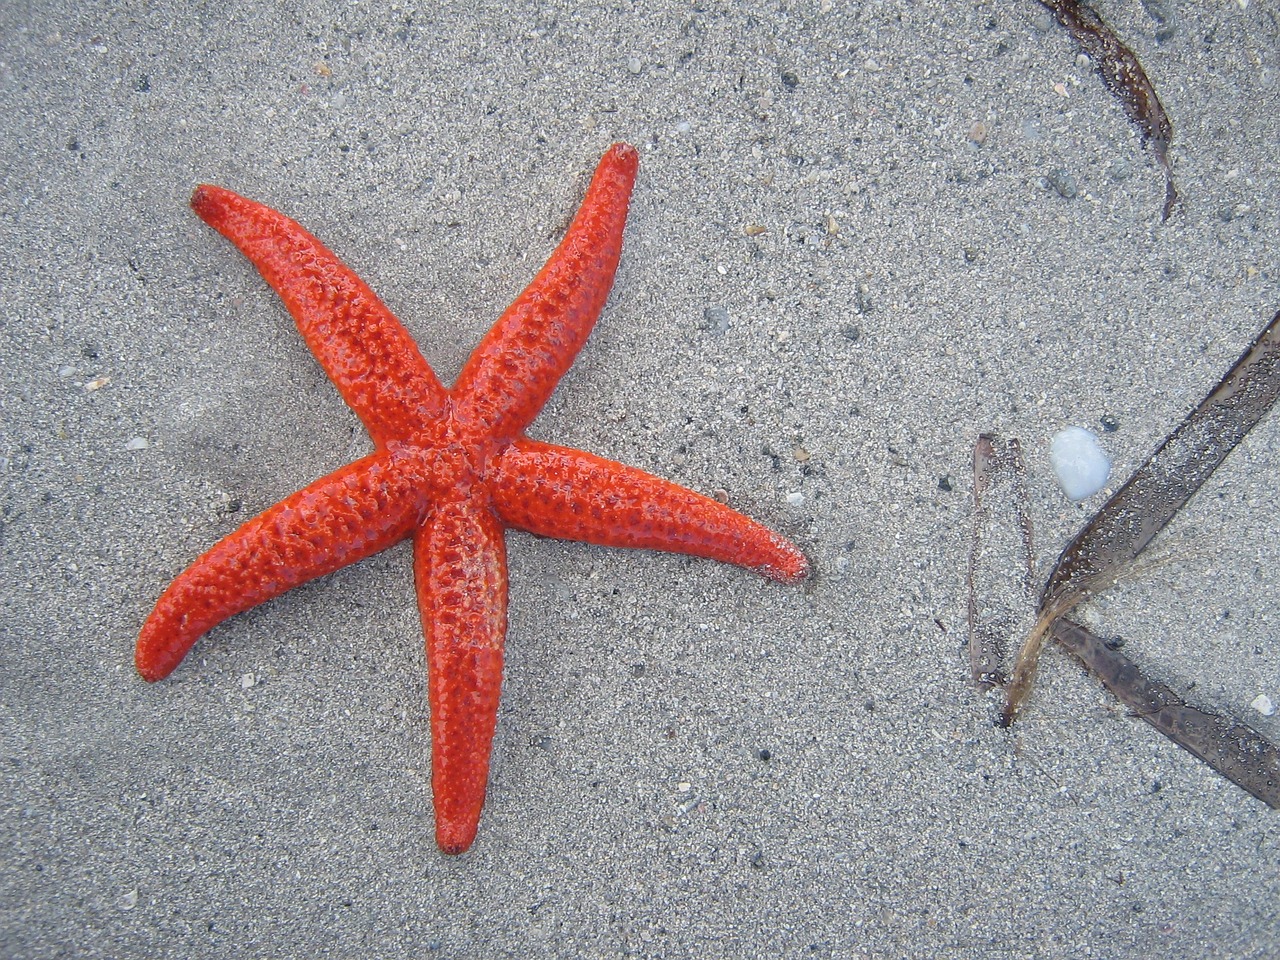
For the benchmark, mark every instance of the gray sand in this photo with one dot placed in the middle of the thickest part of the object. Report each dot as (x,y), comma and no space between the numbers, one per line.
(912,287)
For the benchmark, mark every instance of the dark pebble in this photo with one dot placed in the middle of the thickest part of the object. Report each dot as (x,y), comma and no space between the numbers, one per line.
(1063,182)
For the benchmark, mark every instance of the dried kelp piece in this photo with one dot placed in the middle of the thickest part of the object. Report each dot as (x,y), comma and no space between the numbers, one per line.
(1123,74)
(1140,509)
(1001,574)
(1124,525)
(1234,749)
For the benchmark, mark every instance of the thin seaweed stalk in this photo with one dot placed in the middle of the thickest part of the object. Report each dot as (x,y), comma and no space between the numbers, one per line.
(1229,746)
(1124,525)
(1124,77)
(995,606)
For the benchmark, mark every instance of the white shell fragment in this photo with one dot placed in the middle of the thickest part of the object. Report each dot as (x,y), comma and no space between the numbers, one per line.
(1262,703)
(1079,462)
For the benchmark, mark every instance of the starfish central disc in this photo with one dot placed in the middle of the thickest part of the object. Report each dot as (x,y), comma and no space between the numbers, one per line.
(455,469)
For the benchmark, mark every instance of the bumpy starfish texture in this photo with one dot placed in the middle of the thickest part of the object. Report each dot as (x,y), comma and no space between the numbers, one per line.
(451,468)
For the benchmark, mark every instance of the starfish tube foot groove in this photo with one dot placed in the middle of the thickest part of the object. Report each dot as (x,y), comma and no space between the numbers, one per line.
(451,468)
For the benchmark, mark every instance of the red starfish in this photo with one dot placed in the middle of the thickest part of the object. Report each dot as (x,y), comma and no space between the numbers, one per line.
(452,468)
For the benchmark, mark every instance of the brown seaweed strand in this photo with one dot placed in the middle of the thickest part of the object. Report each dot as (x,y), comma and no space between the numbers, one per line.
(1134,514)
(1232,748)
(1121,529)
(992,618)
(1024,668)
(1123,75)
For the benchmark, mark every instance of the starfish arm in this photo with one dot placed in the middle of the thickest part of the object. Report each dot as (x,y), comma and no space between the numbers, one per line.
(352,513)
(460,568)
(363,348)
(519,362)
(559,492)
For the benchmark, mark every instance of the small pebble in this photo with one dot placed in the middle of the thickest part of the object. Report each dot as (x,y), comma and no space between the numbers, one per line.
(1078,461)
(247,681)
(795,498)
(634,65)
(1120,170)
(1063,182)
(137,443)
(716,320)
(1262,703)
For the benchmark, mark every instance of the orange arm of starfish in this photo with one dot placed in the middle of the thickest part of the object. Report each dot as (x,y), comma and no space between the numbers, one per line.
(559,492)
(352,513)
(512,372)
(460,569)
(363,348)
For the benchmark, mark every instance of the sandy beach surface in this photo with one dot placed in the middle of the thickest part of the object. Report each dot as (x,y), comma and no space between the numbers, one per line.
(862,234)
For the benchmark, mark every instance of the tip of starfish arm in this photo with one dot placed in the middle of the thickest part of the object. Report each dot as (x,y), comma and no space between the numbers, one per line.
(455,838)
(152,664)
(202,194)
(159,649)
(790,566)
(209,201)
(148,669)
(624,150)
(622,158)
